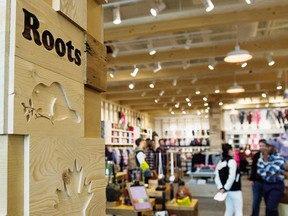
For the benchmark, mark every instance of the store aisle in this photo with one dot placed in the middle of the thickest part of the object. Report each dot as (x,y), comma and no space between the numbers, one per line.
(208,207)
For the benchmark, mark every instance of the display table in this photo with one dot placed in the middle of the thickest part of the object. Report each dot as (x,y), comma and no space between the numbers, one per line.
(163,195)
(124,209)
(174,208)
(203,174)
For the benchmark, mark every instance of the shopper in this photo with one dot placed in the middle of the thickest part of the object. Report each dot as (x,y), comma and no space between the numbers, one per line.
(228,181)
(150,154)
(271,169)
(161,149)
(256,180)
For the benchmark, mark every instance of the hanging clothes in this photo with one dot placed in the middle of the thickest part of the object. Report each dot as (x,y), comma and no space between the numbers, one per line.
(257,117)
(270,116)
(280,117)
(234,115)
(249,117)
(241,117)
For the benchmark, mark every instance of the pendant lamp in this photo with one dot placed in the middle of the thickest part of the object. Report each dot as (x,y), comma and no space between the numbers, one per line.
(238,55)
(235,88)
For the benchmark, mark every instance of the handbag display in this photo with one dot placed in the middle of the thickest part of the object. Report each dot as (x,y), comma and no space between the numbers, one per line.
(113,190)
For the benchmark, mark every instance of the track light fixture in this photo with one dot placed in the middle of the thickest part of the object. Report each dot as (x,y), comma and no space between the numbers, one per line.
(161,93)
(220,103)
(270,60)
(135,71)
(152,84)
(188,99)
(151,49)
(116,15)
(177,105)
(212,65)
(194,80)
(264,95)
(188,43)
(174,82)
(131,86)
(158,7)
(173,99)
(178,91)
(157,67)
(183,112)
(111,73)
(197,92)
(279,86)
(244,64)
(143,94)
(115,52)
(217,90)
(205,98)
(248,1)
(157,100)
(186,64)
(189,104)
(208,4)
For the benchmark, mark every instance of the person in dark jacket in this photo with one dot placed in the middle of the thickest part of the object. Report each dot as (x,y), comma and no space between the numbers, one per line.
(228,181)
(256,179)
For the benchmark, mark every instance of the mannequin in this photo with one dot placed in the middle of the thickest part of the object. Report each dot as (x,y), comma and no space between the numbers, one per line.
(283,140)
(241,117)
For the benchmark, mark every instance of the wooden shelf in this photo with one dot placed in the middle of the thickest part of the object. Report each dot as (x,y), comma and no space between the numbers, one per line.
(119,130)
(122,137)
(119,144)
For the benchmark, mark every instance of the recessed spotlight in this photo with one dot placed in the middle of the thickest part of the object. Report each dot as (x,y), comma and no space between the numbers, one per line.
(152,85)
(220,103)
(189,104)
(131,86)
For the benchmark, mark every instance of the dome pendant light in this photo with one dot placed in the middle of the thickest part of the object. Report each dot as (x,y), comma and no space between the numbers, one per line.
(238,56)
(235,88)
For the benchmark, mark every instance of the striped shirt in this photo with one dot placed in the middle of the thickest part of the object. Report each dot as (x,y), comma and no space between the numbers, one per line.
(271,171)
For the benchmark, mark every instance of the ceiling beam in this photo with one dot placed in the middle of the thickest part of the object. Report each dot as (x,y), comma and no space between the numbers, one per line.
(254,45)
(235,15)
(258,64)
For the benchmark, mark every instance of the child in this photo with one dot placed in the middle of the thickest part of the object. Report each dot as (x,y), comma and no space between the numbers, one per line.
(183,195)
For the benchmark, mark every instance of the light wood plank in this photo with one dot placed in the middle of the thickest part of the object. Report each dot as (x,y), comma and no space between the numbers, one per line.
(232,16)
(59,27)
(101,1)
(53,93)
(50,157)
(3,174)
(95,20)
(16,175)
(75,10)
(96,64)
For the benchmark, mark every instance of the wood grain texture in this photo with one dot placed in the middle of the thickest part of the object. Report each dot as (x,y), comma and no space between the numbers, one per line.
(92,113)
(75,10)
(50,157)
(60,27)
(101,1)
(28,76)
(95,20)
(3,174)
(15,175)
(96,76)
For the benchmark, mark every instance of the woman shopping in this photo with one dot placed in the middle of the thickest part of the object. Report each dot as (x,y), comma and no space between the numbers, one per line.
(228,181)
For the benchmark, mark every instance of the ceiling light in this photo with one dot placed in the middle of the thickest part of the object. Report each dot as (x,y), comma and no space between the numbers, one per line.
(212,65)
(172,112)
(170,109)
(248,1)
(157,8)
(174,82)
(161,93)
(116,15)
(194,80)
(238,56)
(209,6)
(235,89)
(152,84)
(205,98)
(131,86)
(220,103)
(206,116)
(206,104)
(279,86)
(206,110)
(183,112)
(186,64)
(267,105)
(115,52)
(177,105)
(198,112)
(157,100)
(244,64)
(257,105)
(270,60)
(264,95)
(143,94)
(111,73)
(197,92)
(189,104)
(188,43)
(151,49)
(135,71)
(217,90)
(157,67)
(188,99)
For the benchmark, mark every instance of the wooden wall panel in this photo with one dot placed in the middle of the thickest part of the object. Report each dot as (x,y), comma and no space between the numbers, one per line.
(95,20)
(52,93)
(75,10)
(50,157)
(3,174)
(16,175)
(60,28)
(96,64)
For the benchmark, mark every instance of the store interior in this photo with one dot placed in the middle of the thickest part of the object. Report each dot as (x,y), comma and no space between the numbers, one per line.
(196,74)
